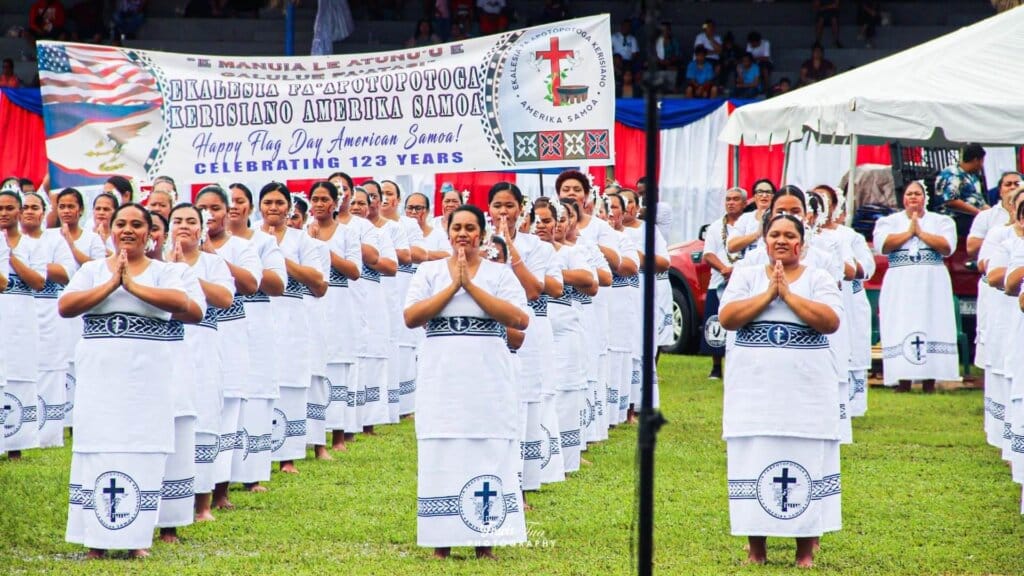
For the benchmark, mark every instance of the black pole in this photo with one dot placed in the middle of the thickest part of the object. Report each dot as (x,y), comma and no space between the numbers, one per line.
(650,419)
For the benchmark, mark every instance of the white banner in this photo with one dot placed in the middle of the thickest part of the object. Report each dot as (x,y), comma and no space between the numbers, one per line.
(531,98)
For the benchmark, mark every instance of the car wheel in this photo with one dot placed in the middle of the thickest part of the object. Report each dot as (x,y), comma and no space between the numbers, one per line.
(682,322)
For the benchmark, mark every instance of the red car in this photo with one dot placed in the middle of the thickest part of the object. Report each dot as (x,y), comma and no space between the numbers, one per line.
(689,276)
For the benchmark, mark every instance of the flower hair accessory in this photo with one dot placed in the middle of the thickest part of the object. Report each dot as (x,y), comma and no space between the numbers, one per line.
(491,251)
(465,196)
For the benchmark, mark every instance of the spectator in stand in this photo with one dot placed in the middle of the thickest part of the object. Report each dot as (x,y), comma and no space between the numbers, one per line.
(748,78)
(26,185)
(817,68)
(761,50)
(462,23)
(869,16)
(826,11)
(8,79)
(128,18)
(669,57)
(85,22)
(423,35)
(782,87)
(492,18)
(700,76)
(711,42)
(728,59)
(46,20)
(443,19)
(555,10)
(624,45)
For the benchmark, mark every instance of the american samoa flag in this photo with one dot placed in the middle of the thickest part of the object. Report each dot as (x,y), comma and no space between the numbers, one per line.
(94,74)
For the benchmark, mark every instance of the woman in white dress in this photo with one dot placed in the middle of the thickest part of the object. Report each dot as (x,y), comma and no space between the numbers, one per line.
(917,322)
(1014,362)
(624,356)
(406,339)
(26,273)
(345,261)
(748,227)
(246,271)
(779,420)
(203,341)
(124,427)
(567,331)
(375,322)
(251,459)
(304,267)
(450,201)
(162,197)
(54,354)
(467,412)
(435,237)
(103,206)
(85,245)
(533,262)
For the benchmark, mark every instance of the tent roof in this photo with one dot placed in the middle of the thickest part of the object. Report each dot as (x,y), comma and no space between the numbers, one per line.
(957,88)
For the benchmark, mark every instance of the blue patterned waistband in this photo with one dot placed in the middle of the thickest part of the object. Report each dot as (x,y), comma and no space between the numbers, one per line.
(858,286)
(924,257)
(51,291)
(293,288)
(407,268)
(370,274)
(623,281)
(540,305)
(780,335)
(16,286)
(464,326)
(661,275)
(337,279)
(234,312)
(124,325)
(210,318)
(258,296)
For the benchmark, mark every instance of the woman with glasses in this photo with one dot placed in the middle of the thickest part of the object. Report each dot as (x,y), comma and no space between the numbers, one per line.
(417,207)
(748,227)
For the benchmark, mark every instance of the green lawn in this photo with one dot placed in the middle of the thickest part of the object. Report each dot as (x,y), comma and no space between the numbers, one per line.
(922,494)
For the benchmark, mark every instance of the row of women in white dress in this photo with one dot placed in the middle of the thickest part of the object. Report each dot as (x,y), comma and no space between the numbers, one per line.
(241,316)
(1001,324)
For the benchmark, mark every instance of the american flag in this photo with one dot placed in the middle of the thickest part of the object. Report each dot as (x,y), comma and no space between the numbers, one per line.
(95,75)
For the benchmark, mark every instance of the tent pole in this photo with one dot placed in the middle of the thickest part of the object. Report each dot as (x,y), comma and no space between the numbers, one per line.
(735,166)
(851,188)
(650,418)
(785,163)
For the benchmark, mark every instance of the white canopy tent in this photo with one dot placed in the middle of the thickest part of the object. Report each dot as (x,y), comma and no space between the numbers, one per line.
(958,88)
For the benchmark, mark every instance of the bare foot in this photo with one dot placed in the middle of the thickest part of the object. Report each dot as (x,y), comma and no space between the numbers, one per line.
(757,550)
(95,554)
(223,504)
(442,553)
(288,467)
(527,507)
(485,552)
(204,516)
(14,455)
(805,552)
(255,487)
(585,462)
(136,554)
(368,430)
(349,436)
(321,453)
(168,536)
(339,447)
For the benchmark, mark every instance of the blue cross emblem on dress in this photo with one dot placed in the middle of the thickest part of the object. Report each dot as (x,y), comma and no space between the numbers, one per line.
(784,490)
(117,324)
(11,416)
(458,324)
(914,256)
(482,504)
(119,500)
(915,348)
(779,335)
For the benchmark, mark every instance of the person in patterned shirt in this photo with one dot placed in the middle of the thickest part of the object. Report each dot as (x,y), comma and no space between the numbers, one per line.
(960,184)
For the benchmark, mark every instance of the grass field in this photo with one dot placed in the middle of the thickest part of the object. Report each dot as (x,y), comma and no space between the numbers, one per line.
(922,494)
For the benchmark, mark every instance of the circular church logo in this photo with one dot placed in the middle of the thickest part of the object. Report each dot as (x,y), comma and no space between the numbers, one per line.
(714,335)
(117,324)
(277,430)
(117,500)
(242,443)
(779,335)
(482,504)
(915,348)
(546,448)
(784,489)
(12,414)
